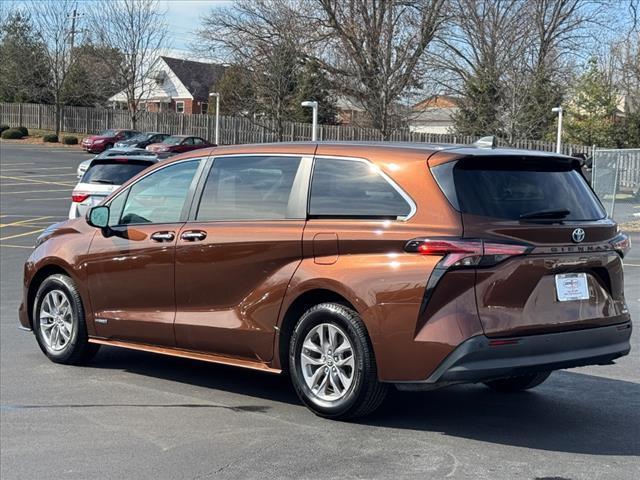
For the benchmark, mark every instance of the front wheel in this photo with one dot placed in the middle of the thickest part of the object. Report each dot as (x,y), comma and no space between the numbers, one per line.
(59,323)
(332,365)
(519,383)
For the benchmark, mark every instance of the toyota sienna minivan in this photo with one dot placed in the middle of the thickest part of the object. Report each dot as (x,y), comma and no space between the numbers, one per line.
(351,267)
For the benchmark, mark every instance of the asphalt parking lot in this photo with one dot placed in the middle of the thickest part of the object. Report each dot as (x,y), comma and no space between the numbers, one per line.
(136,415)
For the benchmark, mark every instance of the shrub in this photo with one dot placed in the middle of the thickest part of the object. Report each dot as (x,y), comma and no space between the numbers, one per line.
(70,140)
(12,134)
(3,127)
(24,131)
(50,138)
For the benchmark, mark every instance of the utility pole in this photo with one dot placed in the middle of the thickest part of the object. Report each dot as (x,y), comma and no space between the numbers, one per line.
(75,15)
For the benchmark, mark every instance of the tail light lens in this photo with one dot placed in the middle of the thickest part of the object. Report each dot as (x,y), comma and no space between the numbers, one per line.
(79,197)
(621,244)
(466,253)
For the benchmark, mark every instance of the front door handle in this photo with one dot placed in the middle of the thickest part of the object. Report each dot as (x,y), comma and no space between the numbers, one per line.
(163,236)
(193,235)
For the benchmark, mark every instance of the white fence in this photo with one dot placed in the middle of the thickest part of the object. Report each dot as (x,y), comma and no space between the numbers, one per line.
(615,173)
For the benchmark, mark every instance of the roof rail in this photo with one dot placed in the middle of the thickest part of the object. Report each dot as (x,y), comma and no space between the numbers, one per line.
(485,142)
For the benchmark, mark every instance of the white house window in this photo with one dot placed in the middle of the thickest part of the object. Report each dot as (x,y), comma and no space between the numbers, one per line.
(204,108)
(180,107)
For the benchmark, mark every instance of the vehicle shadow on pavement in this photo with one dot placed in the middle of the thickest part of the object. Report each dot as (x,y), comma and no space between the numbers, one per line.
(571,412)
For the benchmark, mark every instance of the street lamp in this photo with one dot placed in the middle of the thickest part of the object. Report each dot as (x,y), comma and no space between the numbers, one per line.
(314,124)
(558,110)
(217,95)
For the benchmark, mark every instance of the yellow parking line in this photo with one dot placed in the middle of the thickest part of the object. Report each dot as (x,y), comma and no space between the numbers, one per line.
(631,265)
(16,246)
(15,164)
(34,191)
(22,234)
(20,222)
(38,181)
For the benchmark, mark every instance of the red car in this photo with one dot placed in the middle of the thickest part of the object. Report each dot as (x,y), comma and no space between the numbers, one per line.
(179,144)
(105,140)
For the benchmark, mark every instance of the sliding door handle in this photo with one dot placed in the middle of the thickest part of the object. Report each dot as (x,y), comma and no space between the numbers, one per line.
(193,235)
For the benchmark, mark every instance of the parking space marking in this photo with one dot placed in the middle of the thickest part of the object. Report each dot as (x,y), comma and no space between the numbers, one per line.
(35,191)
(37,181)
(32,232)
(34,168)
(43,199)
(21,222)
(53,174)
(15,164)
(30,247)
(631,265)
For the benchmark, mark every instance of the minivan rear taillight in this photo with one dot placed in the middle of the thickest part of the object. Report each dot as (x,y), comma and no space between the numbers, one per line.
(458,253)
(621,244)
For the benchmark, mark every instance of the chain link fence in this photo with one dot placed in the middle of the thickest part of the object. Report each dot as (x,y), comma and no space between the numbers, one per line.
(616,181)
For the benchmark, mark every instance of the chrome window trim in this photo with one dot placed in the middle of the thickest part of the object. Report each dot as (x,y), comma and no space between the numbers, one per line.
(407,198)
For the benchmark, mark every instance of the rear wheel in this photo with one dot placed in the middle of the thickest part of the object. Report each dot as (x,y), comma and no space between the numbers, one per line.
(332,365)
(519,383)
(59,323)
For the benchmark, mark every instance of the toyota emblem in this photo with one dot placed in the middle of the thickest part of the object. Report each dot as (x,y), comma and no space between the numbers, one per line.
(578,235)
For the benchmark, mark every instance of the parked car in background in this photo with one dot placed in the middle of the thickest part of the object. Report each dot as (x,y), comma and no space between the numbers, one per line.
(104,176)
(352,267)
(114,152)
(142,140)
(106,140)
(179,144)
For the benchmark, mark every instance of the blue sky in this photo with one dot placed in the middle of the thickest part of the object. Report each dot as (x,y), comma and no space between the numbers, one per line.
(183,17)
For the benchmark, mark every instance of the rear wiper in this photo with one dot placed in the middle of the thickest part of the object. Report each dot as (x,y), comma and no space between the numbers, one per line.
(549,213)
(102,180)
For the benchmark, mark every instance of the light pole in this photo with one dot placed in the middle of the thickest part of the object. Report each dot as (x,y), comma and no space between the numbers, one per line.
(314,123)
(558,110)
(217,95)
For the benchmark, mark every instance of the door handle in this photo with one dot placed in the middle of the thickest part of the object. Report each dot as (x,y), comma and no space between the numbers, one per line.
(193,235)
(162,236)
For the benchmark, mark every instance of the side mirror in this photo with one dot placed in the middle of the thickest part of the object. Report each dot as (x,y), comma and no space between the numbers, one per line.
(98,216)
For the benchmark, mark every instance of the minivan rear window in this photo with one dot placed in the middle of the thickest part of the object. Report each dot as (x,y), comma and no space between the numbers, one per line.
(113,172)
(513,187)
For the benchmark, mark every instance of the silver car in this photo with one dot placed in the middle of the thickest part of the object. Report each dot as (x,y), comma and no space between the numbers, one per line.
(102,177)
(113,152)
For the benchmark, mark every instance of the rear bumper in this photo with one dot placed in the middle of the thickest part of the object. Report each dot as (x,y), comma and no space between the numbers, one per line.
(480,358)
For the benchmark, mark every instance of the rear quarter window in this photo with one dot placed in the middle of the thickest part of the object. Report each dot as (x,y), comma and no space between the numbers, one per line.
(342,188)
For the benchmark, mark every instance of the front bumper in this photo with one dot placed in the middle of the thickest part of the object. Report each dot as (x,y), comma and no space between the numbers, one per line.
(480,358)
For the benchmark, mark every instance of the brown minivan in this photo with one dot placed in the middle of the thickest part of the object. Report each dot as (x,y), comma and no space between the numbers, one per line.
(350,266)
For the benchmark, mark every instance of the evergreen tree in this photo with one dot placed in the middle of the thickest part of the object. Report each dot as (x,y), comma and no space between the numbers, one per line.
(591,113)
(479,112)
(312,84)
(24,73)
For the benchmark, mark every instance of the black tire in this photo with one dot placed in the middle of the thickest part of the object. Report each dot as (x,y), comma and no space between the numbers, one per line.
(519,383)
(77,350)
(365,393)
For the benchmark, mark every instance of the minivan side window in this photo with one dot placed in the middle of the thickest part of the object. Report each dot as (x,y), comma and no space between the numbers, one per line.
(248,188)
(353,189)
(158,197)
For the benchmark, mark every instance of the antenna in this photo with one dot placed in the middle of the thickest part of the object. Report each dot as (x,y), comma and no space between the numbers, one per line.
(485,142)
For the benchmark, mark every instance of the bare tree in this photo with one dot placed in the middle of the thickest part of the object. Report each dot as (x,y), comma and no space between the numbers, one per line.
(266,41)
(374,50)
(54,28)
(138,30)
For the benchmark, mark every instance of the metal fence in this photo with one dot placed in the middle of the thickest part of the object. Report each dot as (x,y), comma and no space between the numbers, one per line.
(616,176)
(233,130)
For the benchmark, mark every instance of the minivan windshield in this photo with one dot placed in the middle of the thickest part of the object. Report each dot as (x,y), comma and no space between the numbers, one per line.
(114,172)
(524,188)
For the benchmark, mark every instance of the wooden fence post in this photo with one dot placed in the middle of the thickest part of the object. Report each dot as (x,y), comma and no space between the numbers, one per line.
(19,114)
(39,117)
